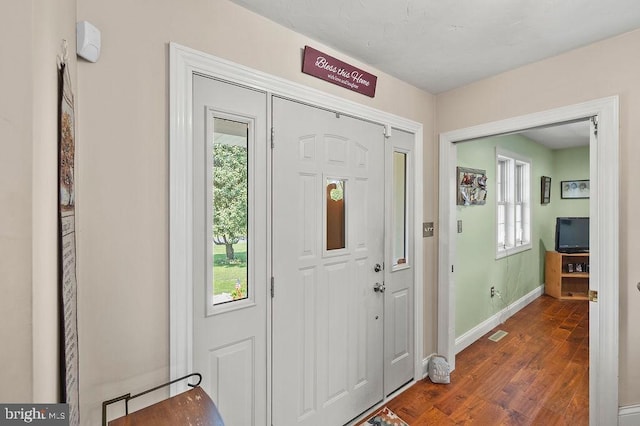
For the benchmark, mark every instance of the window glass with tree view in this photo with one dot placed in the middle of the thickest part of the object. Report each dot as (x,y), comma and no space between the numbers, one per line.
(230,211)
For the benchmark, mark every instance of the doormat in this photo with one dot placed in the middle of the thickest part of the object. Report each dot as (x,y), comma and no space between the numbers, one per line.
(498,335)
(384,417)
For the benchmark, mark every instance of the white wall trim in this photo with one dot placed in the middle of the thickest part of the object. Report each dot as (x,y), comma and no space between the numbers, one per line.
(180,219)
(425,365)
(183,62)
(604,234)
(500,317)
(629,415)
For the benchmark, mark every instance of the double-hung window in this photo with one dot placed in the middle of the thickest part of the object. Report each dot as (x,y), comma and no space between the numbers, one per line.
(513,203)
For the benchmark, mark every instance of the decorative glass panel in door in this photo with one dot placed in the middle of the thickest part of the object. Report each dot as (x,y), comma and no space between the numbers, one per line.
(336,222)
(399,208)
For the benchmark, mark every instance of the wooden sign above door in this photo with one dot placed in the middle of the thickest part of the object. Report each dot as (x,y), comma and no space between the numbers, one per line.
(340,73)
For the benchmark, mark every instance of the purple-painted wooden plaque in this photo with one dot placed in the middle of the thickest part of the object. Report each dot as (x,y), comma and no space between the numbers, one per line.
(335,71)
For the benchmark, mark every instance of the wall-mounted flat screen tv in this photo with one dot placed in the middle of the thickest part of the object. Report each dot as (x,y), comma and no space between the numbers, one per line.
(572,234)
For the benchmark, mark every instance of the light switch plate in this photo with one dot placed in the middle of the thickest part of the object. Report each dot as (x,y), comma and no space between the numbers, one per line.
(460,227)
(427,229)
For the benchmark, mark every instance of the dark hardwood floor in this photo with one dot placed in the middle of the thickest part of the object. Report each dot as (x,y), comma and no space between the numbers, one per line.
(536,375)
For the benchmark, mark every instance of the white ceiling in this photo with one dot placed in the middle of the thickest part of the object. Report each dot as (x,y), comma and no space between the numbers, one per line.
(438,45)
(567,135)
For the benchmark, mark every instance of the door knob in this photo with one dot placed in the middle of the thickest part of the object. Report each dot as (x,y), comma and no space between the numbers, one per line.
(377,268)
(379,288)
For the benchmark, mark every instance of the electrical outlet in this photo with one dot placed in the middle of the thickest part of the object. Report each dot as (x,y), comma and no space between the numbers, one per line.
(493,291)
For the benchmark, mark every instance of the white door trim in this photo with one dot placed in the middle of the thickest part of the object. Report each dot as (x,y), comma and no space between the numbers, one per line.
(183,62)
(604,271)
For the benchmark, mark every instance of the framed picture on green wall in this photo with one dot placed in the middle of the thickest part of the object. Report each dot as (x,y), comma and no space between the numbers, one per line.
(574,189)
(472,187)
(545,190)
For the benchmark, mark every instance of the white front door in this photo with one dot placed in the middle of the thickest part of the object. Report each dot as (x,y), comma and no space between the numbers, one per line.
(230,247)
(328,221)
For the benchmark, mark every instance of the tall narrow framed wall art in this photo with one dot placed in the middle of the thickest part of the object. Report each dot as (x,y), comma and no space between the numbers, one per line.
(67,284)
(545,190)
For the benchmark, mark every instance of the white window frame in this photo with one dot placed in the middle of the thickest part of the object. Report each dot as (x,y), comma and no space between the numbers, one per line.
(513,194)
(250,299)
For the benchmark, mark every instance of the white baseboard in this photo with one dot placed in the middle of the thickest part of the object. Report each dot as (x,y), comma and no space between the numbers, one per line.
(629,416)
(425,363)
(484,327)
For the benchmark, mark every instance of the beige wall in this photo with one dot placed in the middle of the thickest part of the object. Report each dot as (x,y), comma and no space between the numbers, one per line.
(611,67)
(53,22)
(15,201)
(31,33)
(123,172)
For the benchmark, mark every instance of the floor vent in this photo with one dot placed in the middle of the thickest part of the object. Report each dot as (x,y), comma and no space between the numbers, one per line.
(498,335)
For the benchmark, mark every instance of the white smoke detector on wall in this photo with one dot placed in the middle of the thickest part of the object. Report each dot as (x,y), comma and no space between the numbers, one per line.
(88,41)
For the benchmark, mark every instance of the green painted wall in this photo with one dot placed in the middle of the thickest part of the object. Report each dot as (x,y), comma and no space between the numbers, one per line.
(477,269)
(570,164)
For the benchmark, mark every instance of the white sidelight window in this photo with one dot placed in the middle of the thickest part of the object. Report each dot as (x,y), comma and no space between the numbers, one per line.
(513,203)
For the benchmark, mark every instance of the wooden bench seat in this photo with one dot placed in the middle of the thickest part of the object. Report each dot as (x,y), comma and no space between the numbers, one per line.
(193,408)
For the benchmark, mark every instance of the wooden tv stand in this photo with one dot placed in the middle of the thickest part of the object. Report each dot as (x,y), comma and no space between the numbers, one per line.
(566,275)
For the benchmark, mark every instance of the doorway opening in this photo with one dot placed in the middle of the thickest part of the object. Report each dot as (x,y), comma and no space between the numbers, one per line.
(500,253)
(603,210)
